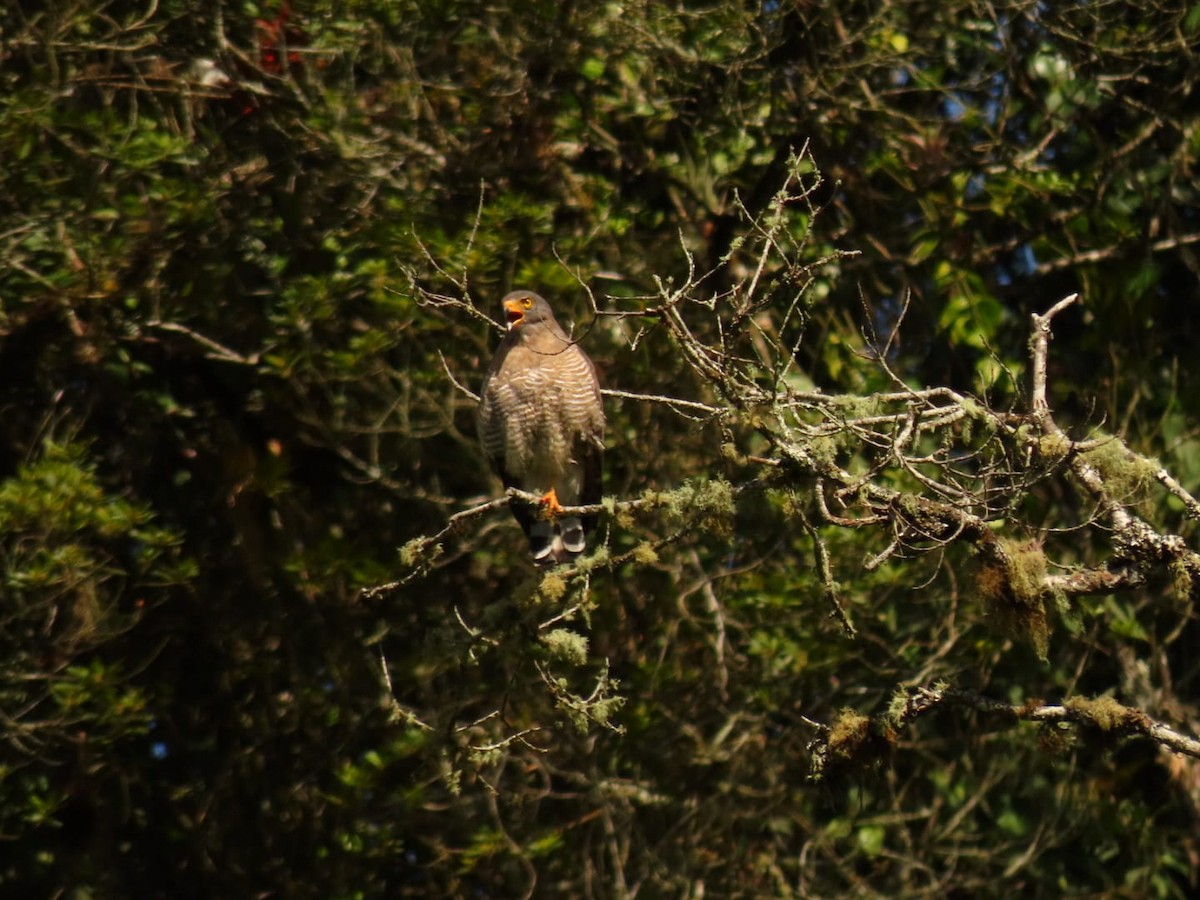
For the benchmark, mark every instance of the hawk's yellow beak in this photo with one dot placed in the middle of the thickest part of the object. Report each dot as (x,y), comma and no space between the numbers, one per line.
(514,312)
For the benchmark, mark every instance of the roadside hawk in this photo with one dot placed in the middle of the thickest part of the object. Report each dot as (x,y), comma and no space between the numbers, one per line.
(541,423)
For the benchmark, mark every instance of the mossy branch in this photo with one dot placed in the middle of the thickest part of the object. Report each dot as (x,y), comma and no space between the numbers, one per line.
(855,741)
(694,504)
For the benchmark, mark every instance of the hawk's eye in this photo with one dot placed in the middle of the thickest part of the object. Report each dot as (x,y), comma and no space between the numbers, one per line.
(527,302)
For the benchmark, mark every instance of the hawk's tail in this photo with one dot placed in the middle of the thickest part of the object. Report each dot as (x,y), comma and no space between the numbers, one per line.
(554,543)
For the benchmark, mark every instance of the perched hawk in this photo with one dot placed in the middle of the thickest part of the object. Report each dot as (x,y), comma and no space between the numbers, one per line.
(542,426)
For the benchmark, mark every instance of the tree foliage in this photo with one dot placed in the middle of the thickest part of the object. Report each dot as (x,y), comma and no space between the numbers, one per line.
(894,591)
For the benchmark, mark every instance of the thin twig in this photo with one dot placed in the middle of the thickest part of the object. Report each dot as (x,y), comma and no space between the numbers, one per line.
(825,574)
(706,408)
(217,351)
(454,381)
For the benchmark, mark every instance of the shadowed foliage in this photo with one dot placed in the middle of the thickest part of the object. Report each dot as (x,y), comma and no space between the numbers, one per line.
(891,593)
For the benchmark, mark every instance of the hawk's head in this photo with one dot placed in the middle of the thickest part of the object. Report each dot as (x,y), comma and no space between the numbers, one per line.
(525,308)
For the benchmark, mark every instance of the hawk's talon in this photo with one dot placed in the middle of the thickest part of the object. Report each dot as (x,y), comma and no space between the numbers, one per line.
(550,502)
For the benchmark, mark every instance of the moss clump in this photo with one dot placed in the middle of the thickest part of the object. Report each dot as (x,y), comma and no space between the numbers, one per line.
(991,582)
(896,708)
(910,505)
(644,553)
(847,735)
(602,712)
(978,423)
(851,406)
(552,587)
(599,559)
(707,505)
(1185,581)
(852,743)
(824,450)
(1056,738)
(973,409)
(420,550)
(1054,448)
(1012,584)
(567,646)
(1104,713)
(625,520)
(730,452)
(1124,472)
(1026,570)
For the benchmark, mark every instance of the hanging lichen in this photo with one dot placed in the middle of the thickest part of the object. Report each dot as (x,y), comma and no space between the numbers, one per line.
(1011,581)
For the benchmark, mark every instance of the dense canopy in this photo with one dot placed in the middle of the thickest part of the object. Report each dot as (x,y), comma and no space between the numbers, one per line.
(895,306)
